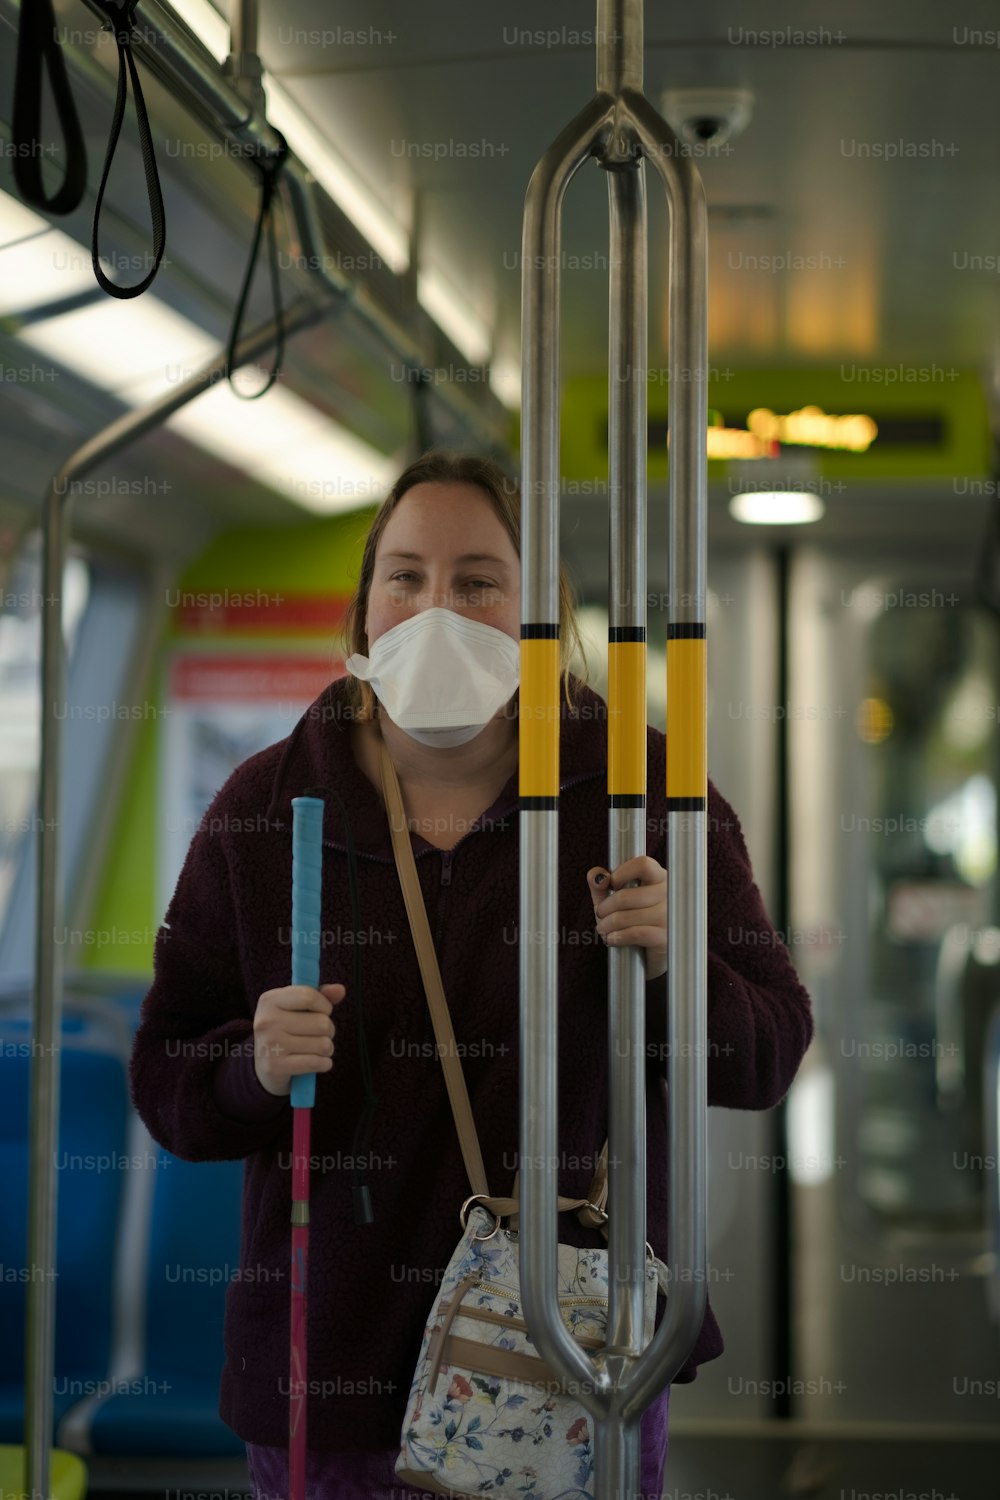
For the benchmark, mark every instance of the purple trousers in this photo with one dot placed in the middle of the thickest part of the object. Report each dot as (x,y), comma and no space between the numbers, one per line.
(370,1475)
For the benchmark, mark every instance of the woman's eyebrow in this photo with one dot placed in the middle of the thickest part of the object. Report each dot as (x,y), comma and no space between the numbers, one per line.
(467,557)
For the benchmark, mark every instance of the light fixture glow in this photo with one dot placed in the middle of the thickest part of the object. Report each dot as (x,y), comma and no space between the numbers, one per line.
(776,507)
(734,442)
(136,348)
(286,443)
(505,382)
(812,427)
(810,1127)
(140,349)
(382,231)
(208,26)
(17,221)
(466,331)
(37,264)
(875,720)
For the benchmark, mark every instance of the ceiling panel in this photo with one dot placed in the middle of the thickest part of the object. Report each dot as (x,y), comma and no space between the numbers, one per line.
(870,163)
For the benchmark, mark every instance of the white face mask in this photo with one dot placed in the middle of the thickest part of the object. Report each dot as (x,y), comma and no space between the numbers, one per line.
(440,676)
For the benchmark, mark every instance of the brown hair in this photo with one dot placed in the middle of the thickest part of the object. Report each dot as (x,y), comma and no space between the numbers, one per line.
(439,467)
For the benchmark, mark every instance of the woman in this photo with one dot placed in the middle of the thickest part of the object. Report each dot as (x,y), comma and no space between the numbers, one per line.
(446,541)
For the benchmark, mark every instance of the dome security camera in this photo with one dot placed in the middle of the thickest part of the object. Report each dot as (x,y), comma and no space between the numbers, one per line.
(707,117)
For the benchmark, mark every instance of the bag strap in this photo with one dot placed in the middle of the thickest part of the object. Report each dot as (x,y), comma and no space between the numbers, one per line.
(458,1094)
(424,944)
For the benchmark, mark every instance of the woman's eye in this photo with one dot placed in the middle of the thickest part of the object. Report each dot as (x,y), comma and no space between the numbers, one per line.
(476,583)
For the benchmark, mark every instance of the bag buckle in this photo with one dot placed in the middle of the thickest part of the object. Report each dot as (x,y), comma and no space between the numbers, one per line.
(464,1215)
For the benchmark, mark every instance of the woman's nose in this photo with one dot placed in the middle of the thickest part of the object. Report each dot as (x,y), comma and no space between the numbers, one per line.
(442,597)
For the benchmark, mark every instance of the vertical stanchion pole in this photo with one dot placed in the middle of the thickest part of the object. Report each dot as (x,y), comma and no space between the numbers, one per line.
(47,1018)
(618,127)
(626,786)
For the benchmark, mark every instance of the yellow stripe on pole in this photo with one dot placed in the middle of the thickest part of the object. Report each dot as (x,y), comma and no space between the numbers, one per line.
(687,751)
(627,718)
(538,709)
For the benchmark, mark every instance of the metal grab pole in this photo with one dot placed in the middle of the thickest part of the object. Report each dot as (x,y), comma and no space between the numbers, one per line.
(618,127)
(626,771)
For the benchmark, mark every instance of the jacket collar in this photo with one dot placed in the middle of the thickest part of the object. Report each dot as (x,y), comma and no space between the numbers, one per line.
(318,753)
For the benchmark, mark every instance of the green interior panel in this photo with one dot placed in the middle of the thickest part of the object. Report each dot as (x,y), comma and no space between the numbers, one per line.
(319,558)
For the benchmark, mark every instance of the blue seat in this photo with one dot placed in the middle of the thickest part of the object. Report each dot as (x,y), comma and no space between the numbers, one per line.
(194,1251)
(93,1107)
(142,1237)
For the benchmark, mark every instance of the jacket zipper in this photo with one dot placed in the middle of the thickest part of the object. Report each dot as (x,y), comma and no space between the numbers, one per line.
(447,854)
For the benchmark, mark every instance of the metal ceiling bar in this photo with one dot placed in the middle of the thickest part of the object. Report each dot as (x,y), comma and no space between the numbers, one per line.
(619,128)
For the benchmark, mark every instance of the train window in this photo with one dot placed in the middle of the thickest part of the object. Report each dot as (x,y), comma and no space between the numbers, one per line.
(101,610)
(20,705)
(929,724)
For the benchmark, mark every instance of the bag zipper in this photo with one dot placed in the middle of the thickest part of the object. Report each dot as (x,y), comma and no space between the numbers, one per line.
(496,1290)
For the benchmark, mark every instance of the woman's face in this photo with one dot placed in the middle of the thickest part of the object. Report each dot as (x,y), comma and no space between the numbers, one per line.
(460,558)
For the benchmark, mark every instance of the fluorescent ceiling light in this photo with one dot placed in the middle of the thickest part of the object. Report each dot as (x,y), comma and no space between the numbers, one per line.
(466,331)
(380,228)
(286,443)
(208,26)
(137,348)
(776,507)
(383,232)
(17,221)
(37,264)
(505,382)
(141,348)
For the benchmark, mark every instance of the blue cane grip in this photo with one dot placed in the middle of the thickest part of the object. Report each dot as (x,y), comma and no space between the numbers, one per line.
(307,875)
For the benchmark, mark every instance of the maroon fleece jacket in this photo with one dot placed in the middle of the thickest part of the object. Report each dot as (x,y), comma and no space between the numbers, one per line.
(225,940)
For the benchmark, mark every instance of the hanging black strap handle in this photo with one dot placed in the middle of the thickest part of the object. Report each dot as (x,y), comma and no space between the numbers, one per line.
(37,44)
(121,20)
(270,170)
